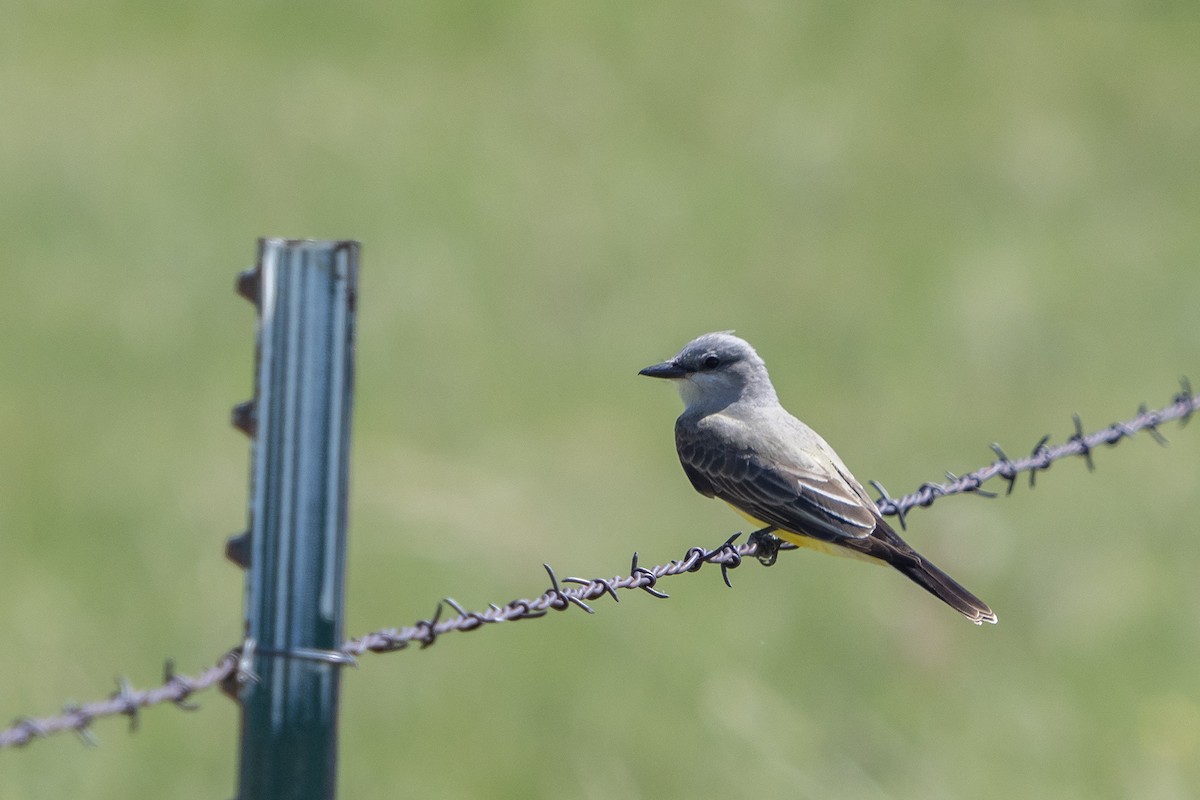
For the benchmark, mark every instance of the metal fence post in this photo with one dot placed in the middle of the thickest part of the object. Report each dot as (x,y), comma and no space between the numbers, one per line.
(294,549)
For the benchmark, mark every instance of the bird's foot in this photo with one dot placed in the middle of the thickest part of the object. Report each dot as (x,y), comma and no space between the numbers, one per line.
(768,545)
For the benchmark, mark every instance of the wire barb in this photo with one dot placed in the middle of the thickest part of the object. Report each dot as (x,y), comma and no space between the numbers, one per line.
(1185,399)
(1152,424)
(84,728)
(127,697)
(646,578)
(181,682)
(887,505)
(928,492)
(971,485)
(1005,468)
(1085,449)
(1040,459)
(562,600)
(430,627)
(604,586)
(474,620)
(731,558)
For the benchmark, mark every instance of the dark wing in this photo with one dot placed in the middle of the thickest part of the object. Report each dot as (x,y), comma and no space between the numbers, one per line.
(800,494)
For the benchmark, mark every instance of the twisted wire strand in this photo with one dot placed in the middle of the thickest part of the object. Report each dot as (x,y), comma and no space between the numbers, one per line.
(125,701)
(1182,405)
(232,668)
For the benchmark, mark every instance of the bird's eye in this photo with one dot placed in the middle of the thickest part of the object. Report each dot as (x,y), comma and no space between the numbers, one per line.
(710,362)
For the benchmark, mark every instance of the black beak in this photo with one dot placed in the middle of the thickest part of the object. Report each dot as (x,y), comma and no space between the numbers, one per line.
(667,369)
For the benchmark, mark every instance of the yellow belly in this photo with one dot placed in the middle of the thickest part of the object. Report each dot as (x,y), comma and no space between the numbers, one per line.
(800,540)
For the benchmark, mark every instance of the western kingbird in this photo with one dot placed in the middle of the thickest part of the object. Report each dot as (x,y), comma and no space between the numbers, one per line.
(736,443)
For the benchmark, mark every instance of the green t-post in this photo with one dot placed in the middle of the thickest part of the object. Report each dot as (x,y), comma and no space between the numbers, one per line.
(294,549)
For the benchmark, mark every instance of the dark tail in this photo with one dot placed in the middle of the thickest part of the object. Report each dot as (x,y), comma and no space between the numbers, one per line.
(949,591)
(886,545)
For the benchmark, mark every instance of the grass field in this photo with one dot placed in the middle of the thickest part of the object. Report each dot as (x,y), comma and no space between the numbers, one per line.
(942,225)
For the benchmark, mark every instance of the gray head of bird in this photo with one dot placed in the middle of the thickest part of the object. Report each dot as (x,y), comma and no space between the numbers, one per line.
(716,370)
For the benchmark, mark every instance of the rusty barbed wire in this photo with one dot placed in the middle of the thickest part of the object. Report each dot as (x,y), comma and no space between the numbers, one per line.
(231,667)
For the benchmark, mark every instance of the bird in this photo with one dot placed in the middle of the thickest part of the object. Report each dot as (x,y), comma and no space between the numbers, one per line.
(738,444)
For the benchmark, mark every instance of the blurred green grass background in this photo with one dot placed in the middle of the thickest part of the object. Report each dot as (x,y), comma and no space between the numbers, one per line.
(941,224)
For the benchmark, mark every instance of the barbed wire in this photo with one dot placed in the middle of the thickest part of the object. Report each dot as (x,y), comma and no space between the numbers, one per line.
(125,701)
(232,668)
(1182,405)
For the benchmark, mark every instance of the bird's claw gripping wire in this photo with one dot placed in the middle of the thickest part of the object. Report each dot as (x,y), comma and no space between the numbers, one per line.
(767,545)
